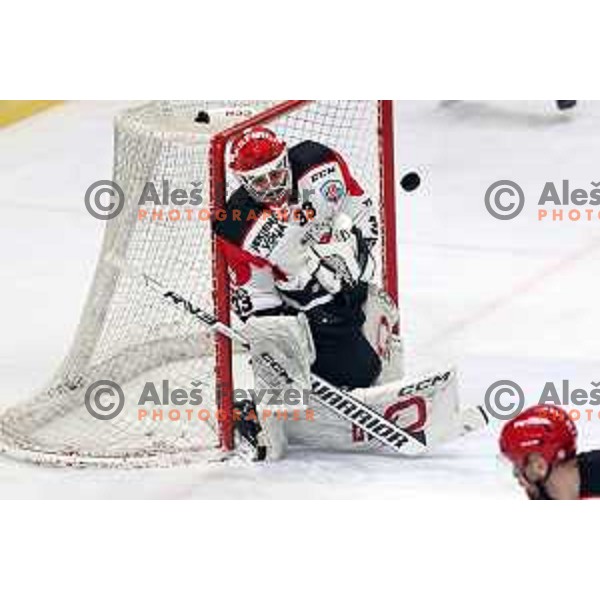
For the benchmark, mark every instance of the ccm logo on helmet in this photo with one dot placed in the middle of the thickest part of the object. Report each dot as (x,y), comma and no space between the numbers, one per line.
(330,170)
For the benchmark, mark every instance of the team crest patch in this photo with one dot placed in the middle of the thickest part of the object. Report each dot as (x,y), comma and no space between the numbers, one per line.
(333,191)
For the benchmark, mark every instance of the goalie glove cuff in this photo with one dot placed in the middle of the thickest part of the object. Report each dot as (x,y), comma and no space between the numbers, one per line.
(334,265)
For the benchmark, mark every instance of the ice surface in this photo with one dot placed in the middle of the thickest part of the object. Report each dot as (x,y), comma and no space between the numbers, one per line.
(502,300)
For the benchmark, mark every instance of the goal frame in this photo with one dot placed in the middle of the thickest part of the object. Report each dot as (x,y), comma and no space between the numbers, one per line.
(218,199)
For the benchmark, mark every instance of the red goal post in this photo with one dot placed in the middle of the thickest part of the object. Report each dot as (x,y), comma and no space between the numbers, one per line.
(384,136)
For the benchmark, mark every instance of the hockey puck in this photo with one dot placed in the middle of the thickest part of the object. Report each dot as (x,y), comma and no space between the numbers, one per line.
(202,118)
(410,182)
(566,104)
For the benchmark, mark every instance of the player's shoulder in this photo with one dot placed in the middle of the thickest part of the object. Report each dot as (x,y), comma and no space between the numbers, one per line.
(309,154)
(322,167)
(588,464)
(239,214)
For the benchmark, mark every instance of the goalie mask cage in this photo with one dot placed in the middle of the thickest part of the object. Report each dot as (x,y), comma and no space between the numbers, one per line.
(128,334)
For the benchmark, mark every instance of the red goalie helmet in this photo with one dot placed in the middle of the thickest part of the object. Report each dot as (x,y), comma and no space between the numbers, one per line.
(546,430)
(259,159)
(255,148)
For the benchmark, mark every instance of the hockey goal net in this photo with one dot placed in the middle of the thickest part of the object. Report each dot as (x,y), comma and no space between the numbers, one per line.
(128,335)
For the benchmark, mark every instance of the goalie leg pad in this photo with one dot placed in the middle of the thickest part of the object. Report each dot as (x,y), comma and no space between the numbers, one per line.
(428,404)
(287,342)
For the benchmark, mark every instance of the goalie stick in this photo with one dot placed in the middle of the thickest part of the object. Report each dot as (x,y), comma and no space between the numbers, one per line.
(342,403)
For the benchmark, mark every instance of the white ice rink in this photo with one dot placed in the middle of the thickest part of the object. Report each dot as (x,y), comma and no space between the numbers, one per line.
(512,300)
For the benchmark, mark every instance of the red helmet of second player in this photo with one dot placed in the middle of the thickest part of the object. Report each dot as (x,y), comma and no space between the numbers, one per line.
(259,159)
(545,430)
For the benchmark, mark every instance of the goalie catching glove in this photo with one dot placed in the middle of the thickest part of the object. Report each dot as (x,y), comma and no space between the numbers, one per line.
(339,264)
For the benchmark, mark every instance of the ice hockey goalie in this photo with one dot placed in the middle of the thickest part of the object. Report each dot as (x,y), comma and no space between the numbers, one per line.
(299,237)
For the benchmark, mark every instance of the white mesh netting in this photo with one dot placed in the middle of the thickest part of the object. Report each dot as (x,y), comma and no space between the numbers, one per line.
(127,333)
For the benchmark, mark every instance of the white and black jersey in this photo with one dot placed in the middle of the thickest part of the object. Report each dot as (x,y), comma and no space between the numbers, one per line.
(265,249)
